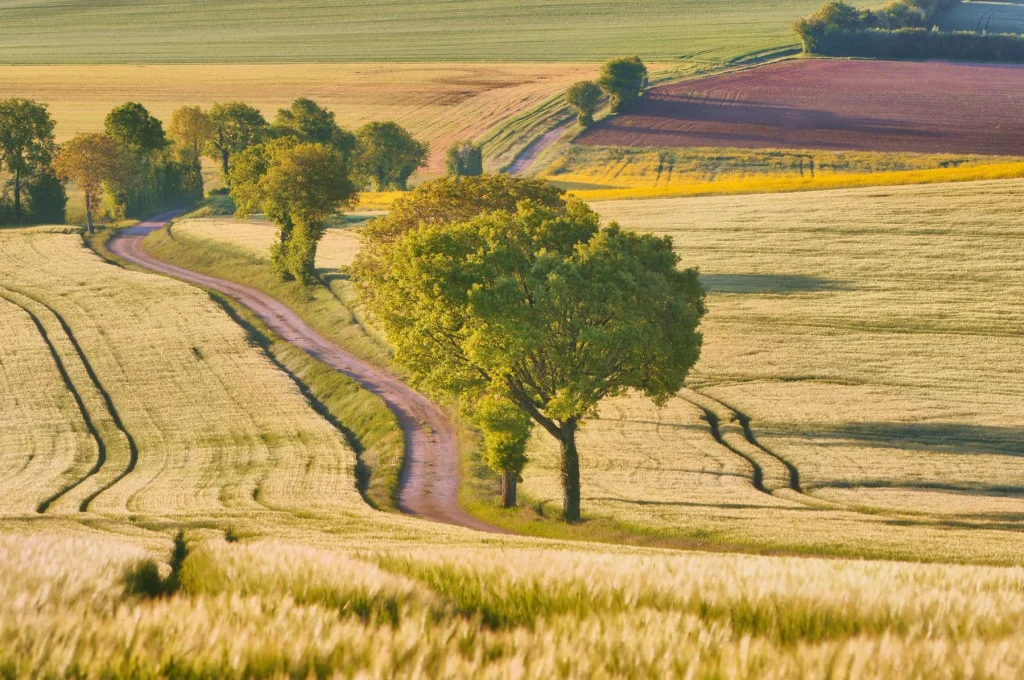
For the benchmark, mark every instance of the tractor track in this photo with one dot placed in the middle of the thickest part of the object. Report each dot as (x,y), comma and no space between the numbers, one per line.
(108,403)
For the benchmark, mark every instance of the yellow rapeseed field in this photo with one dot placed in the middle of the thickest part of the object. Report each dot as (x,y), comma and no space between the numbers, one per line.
(613,173)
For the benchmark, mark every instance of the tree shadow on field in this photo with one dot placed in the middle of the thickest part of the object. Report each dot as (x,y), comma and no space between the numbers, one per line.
(769,283)
(959,438)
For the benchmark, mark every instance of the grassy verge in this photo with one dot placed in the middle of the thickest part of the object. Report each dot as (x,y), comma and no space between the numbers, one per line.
(322,306)
(370,428)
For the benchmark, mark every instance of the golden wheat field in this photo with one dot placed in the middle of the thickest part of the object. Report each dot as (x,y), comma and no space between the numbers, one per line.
(882,403)
(872,339)
(439,103)
(243,497)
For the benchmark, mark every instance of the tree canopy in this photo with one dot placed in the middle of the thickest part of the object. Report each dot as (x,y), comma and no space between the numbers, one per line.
(584,97)
(298,185)
(236,127)
(388,154)
(307,121)
(464,159)
(191,128)
(624,80)
(26,145)
(90,161)
(132,125)
(537,307)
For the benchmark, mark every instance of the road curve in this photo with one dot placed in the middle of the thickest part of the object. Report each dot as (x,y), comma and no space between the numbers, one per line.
(429,487)
(528,155)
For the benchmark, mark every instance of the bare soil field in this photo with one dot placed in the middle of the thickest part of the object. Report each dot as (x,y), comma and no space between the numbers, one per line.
(926,107)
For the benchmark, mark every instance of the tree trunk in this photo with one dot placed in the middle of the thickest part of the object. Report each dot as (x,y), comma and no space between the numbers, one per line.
(508,488)
(570,473)
(225,164)
(88,212)
(17,196)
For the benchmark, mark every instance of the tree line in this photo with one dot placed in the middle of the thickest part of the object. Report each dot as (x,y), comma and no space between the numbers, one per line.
(902,29)
(137,167)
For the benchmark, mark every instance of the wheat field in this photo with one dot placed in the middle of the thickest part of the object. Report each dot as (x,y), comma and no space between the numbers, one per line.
(852,373)
(438,102)
(243,497)
(872,337)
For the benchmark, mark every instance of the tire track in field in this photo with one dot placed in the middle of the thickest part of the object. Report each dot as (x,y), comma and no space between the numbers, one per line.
(771,472)
(101,448)
(429,486)
(111,414)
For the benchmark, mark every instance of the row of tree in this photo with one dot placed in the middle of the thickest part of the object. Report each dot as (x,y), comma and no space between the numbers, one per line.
(902,29)
(623,81)
(142,169)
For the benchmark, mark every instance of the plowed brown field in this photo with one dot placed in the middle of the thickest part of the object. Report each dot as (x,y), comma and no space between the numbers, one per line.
(928,107)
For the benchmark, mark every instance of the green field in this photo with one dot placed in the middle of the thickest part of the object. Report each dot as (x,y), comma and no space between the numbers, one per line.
(242,31)
(991,17)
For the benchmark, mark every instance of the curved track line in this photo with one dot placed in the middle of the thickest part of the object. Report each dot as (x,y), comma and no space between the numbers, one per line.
(101,448)
(115,417)
(429,485)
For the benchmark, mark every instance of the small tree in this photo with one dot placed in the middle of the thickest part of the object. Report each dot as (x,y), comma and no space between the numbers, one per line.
(236,127)
(191,129)
(584,96)
(132,125)
(464,159)
(307,121)
(624,80)
(90,161)
(388,155)
(538,308)
(26,145)
(298,186)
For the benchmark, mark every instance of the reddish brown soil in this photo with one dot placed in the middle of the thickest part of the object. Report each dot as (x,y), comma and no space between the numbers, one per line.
(927,107)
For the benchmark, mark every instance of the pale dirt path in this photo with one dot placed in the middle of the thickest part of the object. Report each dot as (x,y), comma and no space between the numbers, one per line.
(429,487)
(525,159)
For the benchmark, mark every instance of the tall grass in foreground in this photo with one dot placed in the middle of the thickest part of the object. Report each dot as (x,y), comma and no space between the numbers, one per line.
(270,609)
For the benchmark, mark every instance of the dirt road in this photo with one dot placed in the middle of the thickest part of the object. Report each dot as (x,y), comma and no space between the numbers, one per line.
(429,487)
(528,155)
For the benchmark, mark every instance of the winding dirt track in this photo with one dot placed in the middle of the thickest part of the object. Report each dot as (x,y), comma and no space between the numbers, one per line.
(429,486)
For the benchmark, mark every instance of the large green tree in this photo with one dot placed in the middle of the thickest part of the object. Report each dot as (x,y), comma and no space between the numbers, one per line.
(307,121)
(584,97)
(133,125)
(537,307)
(26,145)
(388,155)
(92,161)
(624,80)
(297,185)
(236,127)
